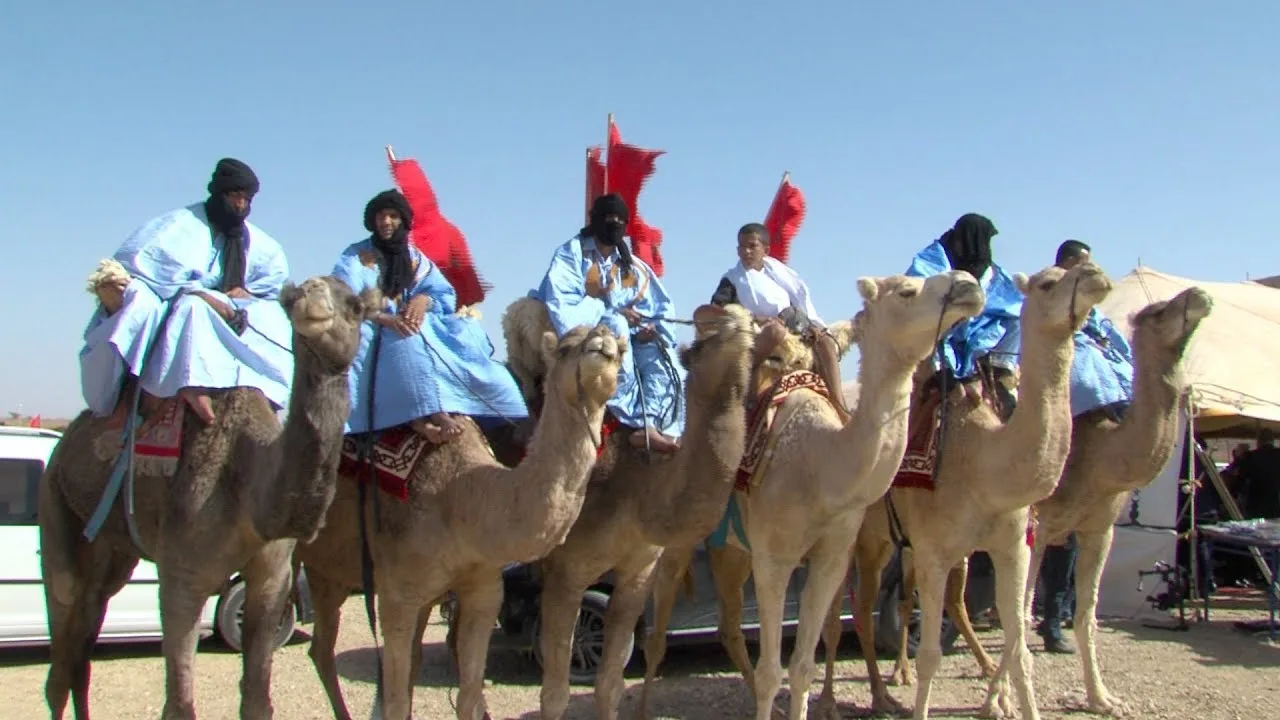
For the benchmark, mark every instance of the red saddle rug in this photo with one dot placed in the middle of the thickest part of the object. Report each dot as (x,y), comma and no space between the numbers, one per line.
(396,454)
(921,457)
(158,448)
(760,420)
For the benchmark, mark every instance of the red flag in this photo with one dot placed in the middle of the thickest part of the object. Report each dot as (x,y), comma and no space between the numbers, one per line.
(35,422)
(440,240)
(786,214)
(628,169)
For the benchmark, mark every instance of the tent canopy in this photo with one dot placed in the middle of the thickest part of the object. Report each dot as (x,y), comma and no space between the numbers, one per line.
(1233,361)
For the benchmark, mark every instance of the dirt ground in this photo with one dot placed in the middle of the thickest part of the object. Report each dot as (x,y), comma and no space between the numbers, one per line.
(1213,671)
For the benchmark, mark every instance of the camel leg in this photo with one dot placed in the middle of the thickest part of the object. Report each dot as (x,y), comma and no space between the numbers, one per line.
(730,570)
(399,618)
(1094,548)
(871,561)
(482,600)
(327,598)
(672,567)
(561,600)
(415,648)
(626,603)
(268,579)
(771,576)
(931,583)
(181,603)
(832,629)
(902,670)
(1033,578)
(959,612)
(79,579)
(828,567)
(1011,566)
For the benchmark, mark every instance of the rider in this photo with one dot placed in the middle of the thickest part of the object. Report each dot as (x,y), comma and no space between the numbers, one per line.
(201,293)
(989,343)
(594,278)
(1101,380)
(430,364)
(779,299)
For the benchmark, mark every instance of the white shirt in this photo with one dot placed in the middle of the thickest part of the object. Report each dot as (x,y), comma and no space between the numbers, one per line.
(771,290)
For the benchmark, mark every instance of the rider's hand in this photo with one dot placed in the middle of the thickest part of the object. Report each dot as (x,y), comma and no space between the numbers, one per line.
(396,323)
(415,310)
(223,309)
(238,293)
(646,333)
(111,293)
(633,317)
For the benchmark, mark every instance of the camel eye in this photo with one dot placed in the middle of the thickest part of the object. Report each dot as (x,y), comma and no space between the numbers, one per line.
(1047,285)
(908,293)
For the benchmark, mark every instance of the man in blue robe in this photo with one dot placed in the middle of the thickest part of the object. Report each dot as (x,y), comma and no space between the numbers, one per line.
(991,340)
(197,311)
(593,278)
(418,363)
(1101,380)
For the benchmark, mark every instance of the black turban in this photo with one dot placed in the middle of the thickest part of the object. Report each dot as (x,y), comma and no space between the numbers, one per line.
(609,233)
(230,175)
(388,200)
(968,244)
(397,263)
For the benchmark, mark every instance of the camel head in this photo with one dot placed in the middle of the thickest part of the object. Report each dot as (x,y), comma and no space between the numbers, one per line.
(1058,301)
(722,351)
(326,317)
(582,367)
(905,315)
(1169,324)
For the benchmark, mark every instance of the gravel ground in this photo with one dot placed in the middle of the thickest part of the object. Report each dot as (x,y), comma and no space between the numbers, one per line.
(1212,672)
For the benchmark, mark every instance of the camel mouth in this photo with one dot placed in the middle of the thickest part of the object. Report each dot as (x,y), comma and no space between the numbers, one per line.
(598,346)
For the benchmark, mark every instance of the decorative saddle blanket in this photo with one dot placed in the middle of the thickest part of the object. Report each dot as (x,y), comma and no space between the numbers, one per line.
(158,447)
(921,457)
(396,454)
(760,421)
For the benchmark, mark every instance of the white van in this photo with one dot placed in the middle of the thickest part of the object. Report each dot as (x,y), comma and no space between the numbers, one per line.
(133,615)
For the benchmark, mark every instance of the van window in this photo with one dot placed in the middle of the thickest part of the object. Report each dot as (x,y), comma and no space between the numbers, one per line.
(19,480)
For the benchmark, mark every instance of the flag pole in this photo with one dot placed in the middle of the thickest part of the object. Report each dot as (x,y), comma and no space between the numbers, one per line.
(786,178)
(391,154)
(586,210)
(608,137)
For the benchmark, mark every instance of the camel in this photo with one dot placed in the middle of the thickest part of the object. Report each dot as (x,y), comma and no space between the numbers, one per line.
(990,475)
(466,516)
(636,505)
(808,500)
(233,503)
(1110,459)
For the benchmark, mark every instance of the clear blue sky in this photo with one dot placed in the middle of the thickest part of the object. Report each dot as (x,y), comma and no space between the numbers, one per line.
(1145,128)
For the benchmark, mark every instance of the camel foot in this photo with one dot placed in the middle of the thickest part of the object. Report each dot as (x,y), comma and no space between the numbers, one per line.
(825,708)
(438,428)
(999,705)
(657,441)
(902,676)
(199,402)
(1105,704)
(886,705)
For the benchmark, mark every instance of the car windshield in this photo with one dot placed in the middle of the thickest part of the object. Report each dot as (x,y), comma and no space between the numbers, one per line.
(19,480)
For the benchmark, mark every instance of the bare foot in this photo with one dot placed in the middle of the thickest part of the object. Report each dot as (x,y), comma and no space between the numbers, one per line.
(438,428)
(657,441)
(199,402)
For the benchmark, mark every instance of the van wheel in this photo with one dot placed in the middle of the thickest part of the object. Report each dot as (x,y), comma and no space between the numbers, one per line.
(588,640)
(229,618)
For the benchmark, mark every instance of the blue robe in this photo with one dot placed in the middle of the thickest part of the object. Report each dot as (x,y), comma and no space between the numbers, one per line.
(447,366)
(997,332)
(564,290)
(169,258)
(1102,370)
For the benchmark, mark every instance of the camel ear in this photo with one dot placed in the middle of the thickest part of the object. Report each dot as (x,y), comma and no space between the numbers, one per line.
(1023,283)
(624,344)
(289,295)
(549,345)
(868,288)
(688,353)
(843,333)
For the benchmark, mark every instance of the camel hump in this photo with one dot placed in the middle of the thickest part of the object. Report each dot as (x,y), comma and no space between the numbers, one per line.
(523,325)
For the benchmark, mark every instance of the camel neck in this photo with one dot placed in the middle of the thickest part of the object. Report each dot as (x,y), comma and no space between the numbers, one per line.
(1141,444)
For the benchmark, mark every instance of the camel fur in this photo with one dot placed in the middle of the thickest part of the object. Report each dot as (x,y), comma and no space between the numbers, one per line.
(233,505)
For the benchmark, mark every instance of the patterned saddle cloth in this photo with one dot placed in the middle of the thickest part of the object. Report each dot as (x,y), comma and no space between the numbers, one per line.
(759,449)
